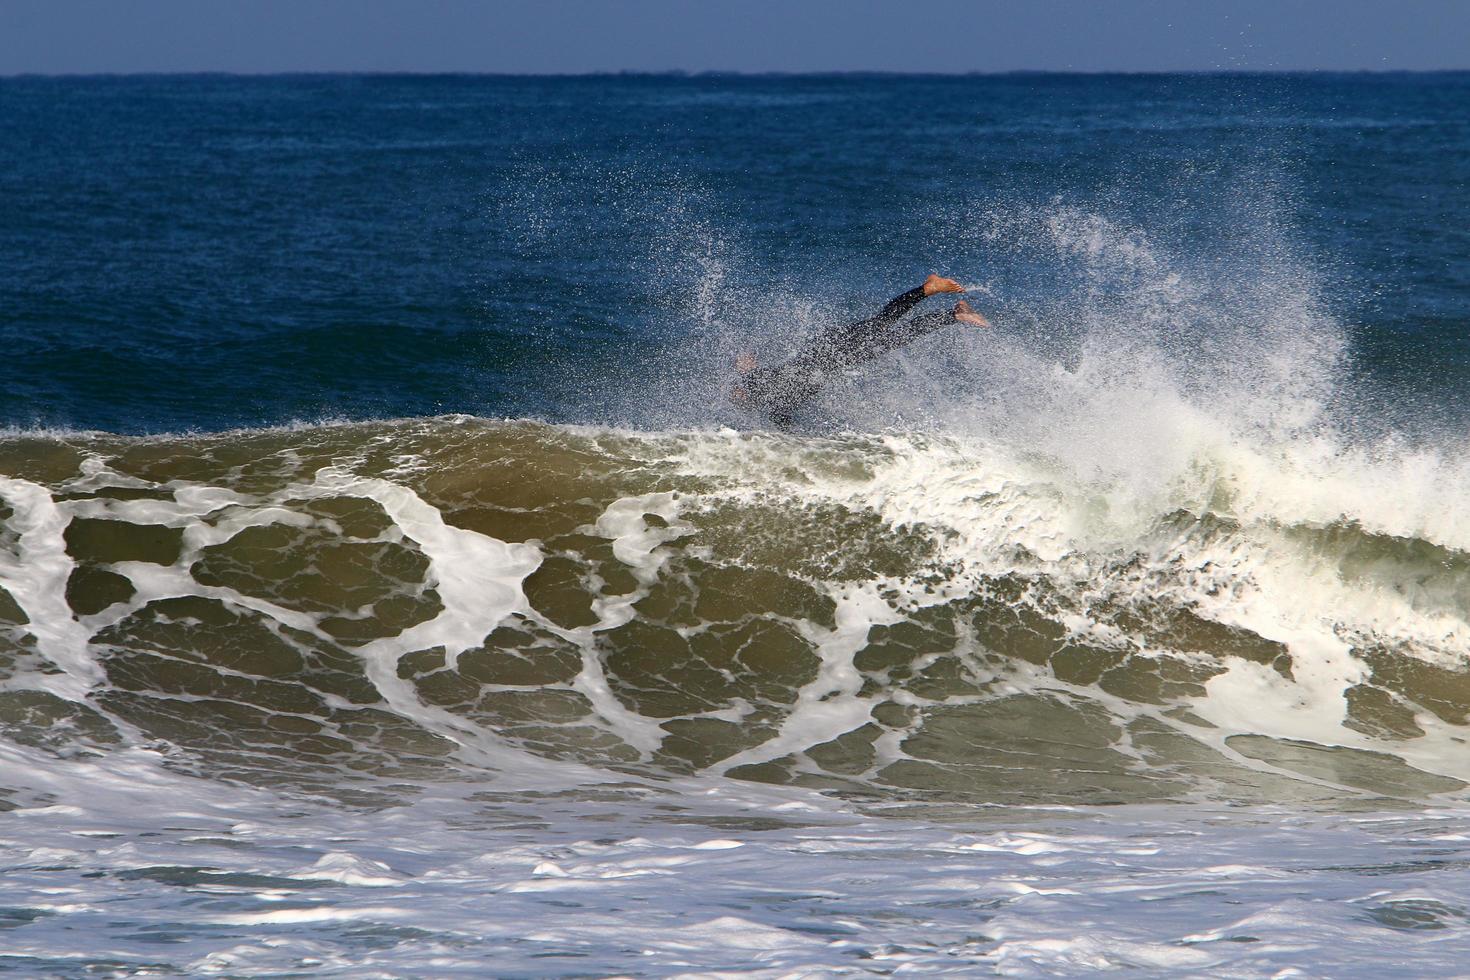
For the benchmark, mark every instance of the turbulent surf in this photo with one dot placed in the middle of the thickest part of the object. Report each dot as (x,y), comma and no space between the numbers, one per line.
(893,617)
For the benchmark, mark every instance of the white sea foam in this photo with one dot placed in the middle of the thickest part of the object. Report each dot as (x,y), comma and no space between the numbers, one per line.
(36,576)
(437,885)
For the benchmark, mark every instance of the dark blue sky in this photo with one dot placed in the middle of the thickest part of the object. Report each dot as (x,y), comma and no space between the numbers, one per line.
(62,36)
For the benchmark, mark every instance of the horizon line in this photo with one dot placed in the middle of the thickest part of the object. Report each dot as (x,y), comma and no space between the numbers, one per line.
(722,73)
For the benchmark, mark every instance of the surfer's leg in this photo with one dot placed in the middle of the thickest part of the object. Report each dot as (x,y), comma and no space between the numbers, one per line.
(854,343)
(779,391)
(902,303)
(895,308)
(918,326)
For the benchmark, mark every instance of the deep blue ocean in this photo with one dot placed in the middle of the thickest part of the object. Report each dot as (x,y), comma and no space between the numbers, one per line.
(389,585)
(211,252)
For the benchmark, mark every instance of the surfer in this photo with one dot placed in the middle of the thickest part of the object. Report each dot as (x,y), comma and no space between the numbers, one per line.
(780,390)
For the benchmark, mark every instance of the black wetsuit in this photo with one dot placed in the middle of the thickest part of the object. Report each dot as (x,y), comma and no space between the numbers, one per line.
(778,391)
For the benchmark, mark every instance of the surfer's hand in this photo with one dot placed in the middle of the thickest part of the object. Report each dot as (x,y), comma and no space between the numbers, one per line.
(964,314)
(938,284)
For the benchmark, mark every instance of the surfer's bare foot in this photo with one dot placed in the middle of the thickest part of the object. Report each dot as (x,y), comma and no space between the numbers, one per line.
(964,314)
(938,284)
(745,362)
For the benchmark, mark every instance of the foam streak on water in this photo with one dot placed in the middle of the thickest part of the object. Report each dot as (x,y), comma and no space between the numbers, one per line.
(766,882)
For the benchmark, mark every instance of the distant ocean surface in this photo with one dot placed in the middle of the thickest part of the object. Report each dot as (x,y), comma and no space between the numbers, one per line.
(388,587)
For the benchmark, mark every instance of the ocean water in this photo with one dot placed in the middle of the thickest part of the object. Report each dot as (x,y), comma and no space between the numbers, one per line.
(387,587)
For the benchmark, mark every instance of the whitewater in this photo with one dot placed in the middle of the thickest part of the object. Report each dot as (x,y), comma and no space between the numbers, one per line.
(412,694)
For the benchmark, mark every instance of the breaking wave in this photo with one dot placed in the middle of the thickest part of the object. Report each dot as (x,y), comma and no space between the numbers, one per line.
(893,616)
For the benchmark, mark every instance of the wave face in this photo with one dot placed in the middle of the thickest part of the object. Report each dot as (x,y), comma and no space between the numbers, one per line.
(669,696)
(891,616)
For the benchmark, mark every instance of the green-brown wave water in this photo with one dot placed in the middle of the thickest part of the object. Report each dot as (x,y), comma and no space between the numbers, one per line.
(892,617)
